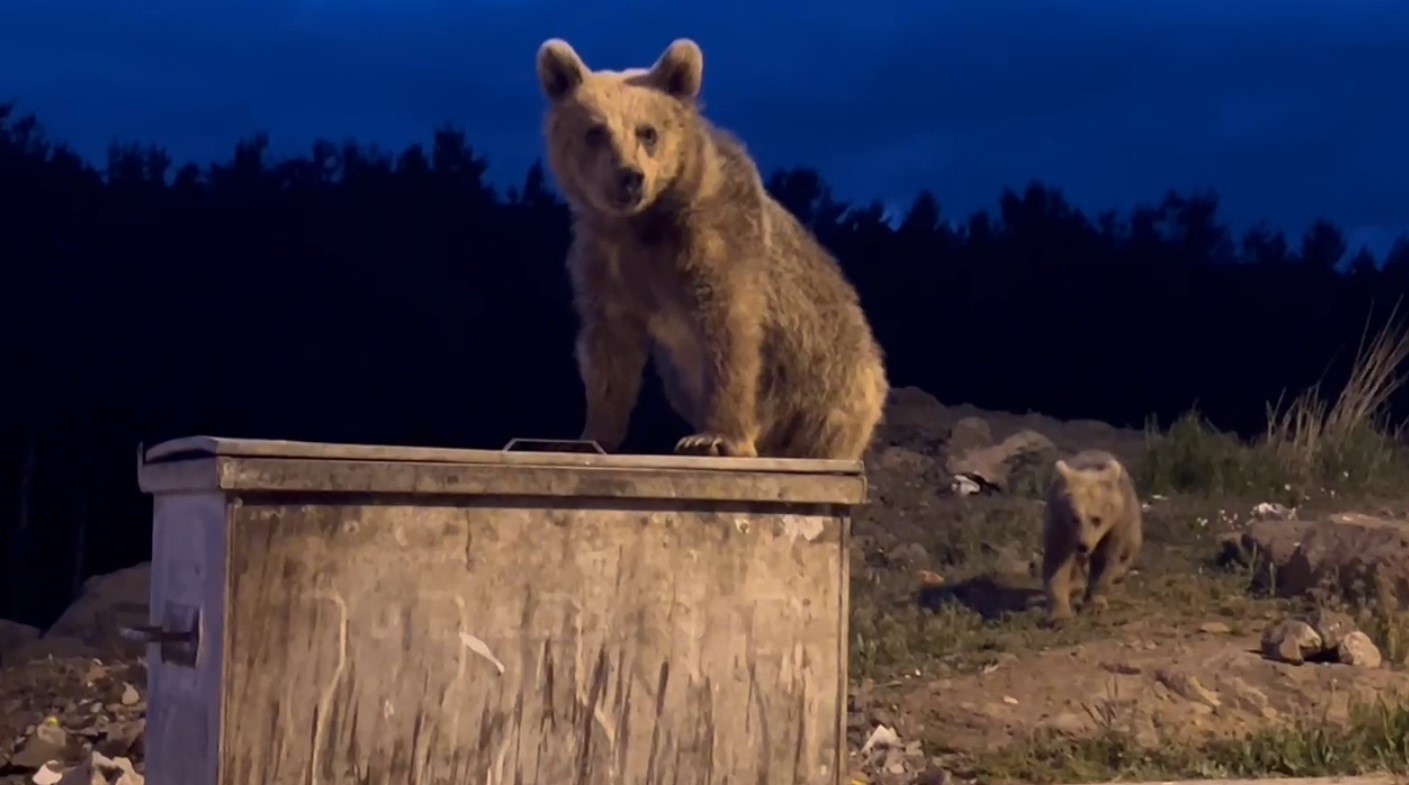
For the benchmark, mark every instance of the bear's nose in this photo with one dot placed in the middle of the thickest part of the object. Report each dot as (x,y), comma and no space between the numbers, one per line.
(629,182)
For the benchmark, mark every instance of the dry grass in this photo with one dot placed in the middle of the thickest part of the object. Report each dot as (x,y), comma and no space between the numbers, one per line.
(1314,444)
(1374,740)
(895,641)
(979,546)
(1318,451)
(1313,438)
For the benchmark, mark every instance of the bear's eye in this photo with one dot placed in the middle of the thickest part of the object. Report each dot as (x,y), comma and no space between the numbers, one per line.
(647,134)
(596,135)
(1095,520)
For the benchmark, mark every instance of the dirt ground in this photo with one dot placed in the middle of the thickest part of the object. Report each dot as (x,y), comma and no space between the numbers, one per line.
(970,670)
(949,648)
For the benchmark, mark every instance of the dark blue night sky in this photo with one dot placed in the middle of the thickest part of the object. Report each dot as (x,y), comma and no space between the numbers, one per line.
(1291,109)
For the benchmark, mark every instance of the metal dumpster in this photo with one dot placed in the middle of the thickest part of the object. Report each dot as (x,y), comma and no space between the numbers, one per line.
(337,614)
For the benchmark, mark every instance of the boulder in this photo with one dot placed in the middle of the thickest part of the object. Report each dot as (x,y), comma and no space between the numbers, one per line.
(106,605)
(1360,555)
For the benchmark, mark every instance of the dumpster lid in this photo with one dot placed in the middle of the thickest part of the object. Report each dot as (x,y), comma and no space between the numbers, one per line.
(517,452)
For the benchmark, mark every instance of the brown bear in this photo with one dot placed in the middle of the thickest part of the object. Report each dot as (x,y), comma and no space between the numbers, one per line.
(680,256)
(1093,521)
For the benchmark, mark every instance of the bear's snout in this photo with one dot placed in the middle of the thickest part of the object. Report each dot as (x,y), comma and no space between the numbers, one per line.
(630,183)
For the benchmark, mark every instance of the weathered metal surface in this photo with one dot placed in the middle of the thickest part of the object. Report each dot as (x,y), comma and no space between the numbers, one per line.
(252,465)
(389,620)
(188,574)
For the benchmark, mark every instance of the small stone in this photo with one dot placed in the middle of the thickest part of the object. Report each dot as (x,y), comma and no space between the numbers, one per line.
(909,553)
(122,737)
(129,695)
(1246,697)
(1188,687)
(1215,628)
(1066,722)
(1357,649)
(1290,641)
(49,774)
(1332,626)
(45,743)
(934,775)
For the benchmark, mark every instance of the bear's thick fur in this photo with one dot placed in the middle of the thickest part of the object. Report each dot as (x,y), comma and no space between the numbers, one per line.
(680,255)
(1093,519)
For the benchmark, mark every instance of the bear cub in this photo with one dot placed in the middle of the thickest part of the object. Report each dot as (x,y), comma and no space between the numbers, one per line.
(1093,526)
(680,256)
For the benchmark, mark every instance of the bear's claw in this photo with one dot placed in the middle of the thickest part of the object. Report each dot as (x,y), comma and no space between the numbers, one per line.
(714,445)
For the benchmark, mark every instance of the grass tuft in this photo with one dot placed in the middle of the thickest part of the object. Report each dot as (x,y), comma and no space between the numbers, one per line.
(1313,444)
(1374,740)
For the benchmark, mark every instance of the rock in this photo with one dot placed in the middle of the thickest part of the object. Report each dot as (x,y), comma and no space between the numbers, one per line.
(1007,559)
(964,486)
(969,434)
(996,465)
(47,742)
(1188,687)
(934,775)
(13,635)
(903,459)
(107,604)
(1331,626)
(1275,512)
(886,760)
(121,738)
(1357,649)
(1215,628)
(1360,555)
(1266,546)
(55,647)
(909,555)
(1245,697)
(883,737)
(59,710)
(51,773)
(913,419)
(1292,641)
(102,770)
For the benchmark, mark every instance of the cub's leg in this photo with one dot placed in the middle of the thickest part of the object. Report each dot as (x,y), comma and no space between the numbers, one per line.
(1109,565)
(1059,565)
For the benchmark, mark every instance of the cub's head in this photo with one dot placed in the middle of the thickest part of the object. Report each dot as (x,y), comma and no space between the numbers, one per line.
(1095,498)
(617,140)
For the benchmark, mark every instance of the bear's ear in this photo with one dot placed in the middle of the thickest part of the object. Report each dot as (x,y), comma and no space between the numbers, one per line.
(560,70)
(1063,468)
(1111,472)
(680,69)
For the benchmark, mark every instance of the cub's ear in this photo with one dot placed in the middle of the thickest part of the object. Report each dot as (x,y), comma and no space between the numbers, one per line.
(1111,472)
(1063,468)
(560,70)
(680,70)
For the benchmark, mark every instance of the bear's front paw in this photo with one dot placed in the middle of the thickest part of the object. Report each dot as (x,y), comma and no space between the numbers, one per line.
(1098,604)
(1059,617)
(714,444)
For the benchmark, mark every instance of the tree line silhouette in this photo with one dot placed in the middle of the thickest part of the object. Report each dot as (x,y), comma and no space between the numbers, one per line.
(353,294)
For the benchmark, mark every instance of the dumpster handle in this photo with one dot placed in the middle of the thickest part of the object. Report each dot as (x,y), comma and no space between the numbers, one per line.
(562,445)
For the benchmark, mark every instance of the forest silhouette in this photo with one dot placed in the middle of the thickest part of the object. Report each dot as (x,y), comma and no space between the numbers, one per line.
(357,295)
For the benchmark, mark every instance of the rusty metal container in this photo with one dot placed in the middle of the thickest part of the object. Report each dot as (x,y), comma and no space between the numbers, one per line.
(331,614)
